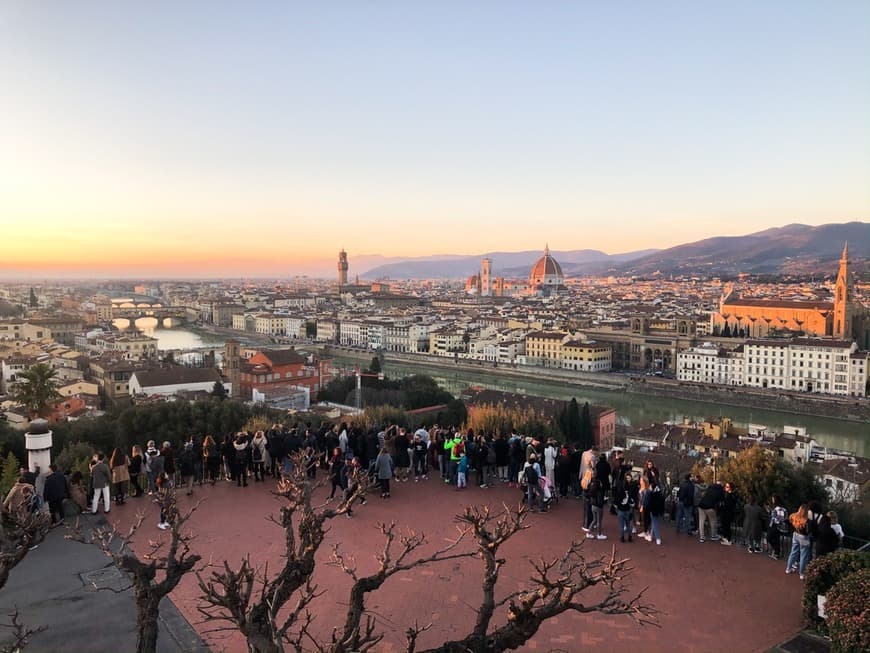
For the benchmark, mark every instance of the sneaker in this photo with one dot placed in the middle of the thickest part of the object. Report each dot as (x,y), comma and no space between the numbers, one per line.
(773,556)
(349,516)
(416,480)
(701,540)
(801,576)
(425,477)
(715,538)
(590,536)
(585,529)
(162,526)
(602,537)
(659,541)
(725,541)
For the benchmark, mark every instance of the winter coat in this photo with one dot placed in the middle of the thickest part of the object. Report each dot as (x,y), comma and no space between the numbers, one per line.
(101,476)
(384,466)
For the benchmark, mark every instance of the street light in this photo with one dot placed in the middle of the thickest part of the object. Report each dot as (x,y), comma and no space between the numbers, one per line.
(359,375)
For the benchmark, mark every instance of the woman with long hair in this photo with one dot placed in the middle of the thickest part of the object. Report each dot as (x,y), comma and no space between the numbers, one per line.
(119,464)
(136,463)
(801,546)
(643,507)
(211,458)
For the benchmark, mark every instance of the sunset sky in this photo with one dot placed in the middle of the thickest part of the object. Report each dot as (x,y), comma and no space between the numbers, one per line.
(228,138)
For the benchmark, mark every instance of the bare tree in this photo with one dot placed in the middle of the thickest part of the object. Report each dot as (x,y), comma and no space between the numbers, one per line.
(228,594)
(251,600)
(555,587)
(159,570)
(16,539)
(21,634)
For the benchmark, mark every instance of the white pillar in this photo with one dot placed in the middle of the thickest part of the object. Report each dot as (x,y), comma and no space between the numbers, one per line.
(37,440)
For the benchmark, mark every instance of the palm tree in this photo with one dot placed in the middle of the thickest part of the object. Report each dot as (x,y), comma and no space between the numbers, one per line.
(36,388)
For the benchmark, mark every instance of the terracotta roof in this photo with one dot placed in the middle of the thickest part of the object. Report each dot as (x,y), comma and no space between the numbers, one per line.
(177,376)
(778,303)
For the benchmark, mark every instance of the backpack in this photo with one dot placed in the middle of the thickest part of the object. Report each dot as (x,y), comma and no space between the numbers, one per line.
(36,503)
(531,475)
(458,449)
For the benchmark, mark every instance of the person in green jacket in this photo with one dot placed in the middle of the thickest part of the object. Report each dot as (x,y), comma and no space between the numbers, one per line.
(455,448)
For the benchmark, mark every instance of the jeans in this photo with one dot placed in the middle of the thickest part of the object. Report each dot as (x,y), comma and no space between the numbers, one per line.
(801,552)
(624,523)
(704,515)
(654,524)
(421,466)
(96,501)
(587,512)
(684,513)
(596,520)
(532,492)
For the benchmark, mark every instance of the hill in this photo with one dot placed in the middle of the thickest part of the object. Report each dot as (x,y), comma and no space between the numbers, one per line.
(793,249)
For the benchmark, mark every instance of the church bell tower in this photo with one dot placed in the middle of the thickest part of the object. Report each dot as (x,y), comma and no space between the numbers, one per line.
(842,328)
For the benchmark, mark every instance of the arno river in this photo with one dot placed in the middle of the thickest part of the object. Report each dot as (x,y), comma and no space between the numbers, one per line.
(633,409)
(641,410)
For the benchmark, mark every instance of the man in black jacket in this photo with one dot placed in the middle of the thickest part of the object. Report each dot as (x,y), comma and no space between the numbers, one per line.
(685,503)
(710,499)
(54,493)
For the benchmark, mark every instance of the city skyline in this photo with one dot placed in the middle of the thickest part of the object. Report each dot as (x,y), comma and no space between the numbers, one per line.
(229,143)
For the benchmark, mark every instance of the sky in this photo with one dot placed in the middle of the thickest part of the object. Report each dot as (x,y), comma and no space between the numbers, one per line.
(227,138)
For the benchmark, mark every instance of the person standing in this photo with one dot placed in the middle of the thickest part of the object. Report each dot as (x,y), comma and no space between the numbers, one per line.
(211,459)
(240,446)
(550,453)
(136,464)
(710,499)
(596,492)
(384,472)
(777,527)
(502,453)
(258,456)
(685,504)
(153,465)
(187,466)
(336,471)
(531,475)
(752,525)
(801,546)
(625,498)
(101,479)
(120,466)
(587,462)
(654,505)
(462,472)
(420,452)
(727,510)
(54,493)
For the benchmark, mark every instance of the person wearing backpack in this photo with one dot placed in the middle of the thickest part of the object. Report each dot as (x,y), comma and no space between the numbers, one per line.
(531,475)
(777,527)
(685,504)
(654,504)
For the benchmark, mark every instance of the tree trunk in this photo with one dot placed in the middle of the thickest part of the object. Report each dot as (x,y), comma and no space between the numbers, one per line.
(147,623)
(259,642)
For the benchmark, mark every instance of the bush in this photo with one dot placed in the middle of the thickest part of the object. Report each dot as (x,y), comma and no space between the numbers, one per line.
(848,610)
(9,476)
(72,454)
(377,416)
(825,572)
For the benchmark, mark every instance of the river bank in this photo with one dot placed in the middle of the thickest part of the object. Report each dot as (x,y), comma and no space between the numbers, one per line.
(803,404)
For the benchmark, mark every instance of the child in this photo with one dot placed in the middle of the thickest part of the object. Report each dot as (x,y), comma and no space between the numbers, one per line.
(461,471)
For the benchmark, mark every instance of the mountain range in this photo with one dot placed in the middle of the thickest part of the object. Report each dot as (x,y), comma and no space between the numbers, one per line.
(793,249)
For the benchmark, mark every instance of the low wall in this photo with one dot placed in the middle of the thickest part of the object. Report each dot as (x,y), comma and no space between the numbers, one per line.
(788,402)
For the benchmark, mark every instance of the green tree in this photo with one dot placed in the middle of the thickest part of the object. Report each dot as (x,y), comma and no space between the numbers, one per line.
(219,391)
(34,302)
(9,476)
(587,434)
(37,388)
(569,421)
(375,367)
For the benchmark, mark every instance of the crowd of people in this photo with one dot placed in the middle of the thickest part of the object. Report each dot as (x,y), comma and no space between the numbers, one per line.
(544,472)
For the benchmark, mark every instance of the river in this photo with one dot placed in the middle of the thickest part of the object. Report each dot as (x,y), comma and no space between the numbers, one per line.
(640,410)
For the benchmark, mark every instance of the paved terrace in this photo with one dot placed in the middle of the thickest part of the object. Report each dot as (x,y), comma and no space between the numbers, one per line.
(712,598)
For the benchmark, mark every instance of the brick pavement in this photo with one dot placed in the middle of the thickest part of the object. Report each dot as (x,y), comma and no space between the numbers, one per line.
(712,598)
